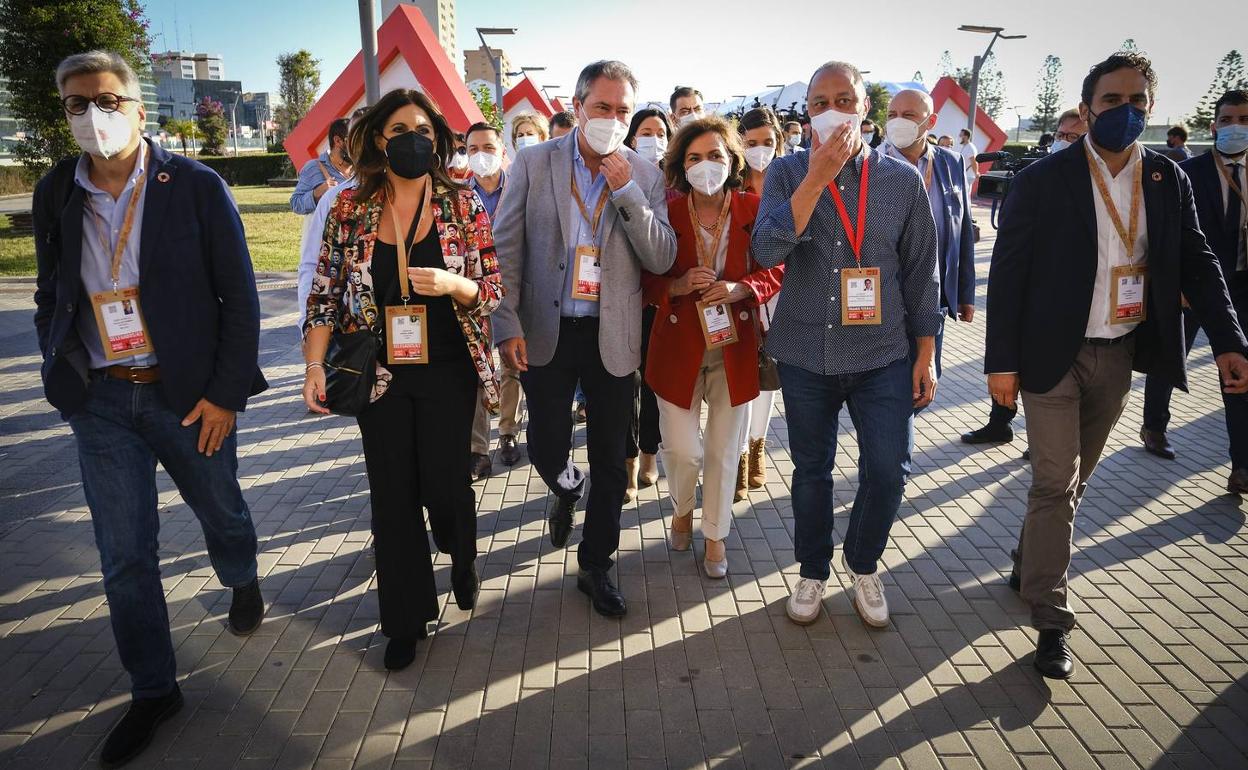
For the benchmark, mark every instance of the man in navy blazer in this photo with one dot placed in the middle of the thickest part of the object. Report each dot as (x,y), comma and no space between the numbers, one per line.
(149,324)
(910,116)
(1097,243)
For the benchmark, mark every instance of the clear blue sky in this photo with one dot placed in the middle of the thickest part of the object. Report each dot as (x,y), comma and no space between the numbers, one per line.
(734,47)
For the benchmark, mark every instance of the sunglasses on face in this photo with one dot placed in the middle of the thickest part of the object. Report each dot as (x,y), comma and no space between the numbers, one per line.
(106,102)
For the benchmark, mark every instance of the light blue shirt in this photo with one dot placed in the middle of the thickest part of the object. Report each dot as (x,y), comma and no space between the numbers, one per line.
(935,197)
(101,212)
(310,178)
(590,187)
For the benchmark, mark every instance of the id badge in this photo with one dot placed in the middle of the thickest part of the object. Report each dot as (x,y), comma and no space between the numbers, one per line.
(718,327)
(120,322)
(1128,299)
(407,334)
(588,275)
(860,291)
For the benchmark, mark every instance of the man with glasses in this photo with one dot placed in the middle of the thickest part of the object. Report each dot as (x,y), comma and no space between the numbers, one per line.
(149,326)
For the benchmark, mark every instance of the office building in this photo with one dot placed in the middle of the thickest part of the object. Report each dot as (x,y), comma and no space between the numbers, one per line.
(478,66)
(441,17)
(184,65)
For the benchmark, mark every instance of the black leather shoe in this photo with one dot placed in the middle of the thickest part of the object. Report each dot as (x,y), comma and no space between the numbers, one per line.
(1237,483)
(992,433)
(247,609)
(508,450)
(465,585)
(1053,657)
(1016,580)
(137,728)
(1156,443)
(605,596)
(1027,455)
(559,517)
(401,652)
(479,466)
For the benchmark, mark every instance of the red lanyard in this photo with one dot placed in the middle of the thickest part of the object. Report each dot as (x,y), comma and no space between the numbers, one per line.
(855,235)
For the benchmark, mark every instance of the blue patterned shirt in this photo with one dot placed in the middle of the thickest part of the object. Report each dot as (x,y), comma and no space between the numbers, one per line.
(806,329)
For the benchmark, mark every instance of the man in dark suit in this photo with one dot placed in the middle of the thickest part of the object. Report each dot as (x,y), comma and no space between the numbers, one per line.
(124,226)
(1222,214)
(1096,244)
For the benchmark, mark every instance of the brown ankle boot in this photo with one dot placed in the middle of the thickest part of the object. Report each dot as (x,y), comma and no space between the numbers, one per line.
(742,490)
(647,471)
(630,470)
(758,463)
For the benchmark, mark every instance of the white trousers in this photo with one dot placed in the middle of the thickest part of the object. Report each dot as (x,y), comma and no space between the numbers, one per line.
(715,453)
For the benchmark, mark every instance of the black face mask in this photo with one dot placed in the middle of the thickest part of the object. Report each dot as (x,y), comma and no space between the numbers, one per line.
(410,155)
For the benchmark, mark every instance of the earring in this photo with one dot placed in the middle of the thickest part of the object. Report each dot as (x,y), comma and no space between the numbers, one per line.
(437,160)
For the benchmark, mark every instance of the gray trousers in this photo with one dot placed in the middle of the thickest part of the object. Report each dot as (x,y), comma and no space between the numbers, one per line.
(1067,428)
(509,417)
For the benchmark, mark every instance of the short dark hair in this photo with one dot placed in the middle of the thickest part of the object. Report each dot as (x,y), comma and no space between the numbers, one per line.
(481,126)
(563,119)
(680,93)
(1234,98)
(1121,60)
(868,123)
(762,117)
(1178,131)
(788,123)
(338,129)
(674,160)
(641,116)
(964,132)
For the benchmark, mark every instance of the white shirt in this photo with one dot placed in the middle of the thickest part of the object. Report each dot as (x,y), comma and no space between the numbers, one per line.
(1241,261)
(968,153)
(1111,251)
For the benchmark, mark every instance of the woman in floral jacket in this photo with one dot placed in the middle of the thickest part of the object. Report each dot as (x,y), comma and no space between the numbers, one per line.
(427,295)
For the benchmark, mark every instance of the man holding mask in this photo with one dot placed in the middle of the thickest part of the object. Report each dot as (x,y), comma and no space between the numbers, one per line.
(149,325)
(1096,245)
(582,217)
(854,229)
(910,117)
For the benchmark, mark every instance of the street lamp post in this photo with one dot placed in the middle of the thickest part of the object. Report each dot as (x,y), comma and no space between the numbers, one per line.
(234,117)
(495,61)
(775,102)
(979,63)
(368,40)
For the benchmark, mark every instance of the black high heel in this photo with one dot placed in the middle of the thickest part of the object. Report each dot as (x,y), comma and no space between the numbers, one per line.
(465,585)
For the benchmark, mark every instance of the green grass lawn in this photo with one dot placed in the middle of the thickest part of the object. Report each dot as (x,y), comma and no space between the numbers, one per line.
(272,234)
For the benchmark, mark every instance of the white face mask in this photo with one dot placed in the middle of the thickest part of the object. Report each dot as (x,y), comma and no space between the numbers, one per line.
(707,176)
(605,135)
(794,140)
(760,157)
(902,132)
(685,120)
(459,161)
(825,123)
(651,147)
(1058,145)
(485,163)
(527,141)
(101,133)
(867,136)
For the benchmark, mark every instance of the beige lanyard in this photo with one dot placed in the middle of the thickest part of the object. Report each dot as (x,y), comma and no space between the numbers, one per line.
(706,256)
(1126,234)
(126,225)
(403,251)
(602,202)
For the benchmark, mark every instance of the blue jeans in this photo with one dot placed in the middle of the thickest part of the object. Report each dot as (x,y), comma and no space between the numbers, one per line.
(121,432)
(881,407)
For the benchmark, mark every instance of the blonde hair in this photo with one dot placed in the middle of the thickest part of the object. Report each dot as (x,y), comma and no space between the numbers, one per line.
(530,118)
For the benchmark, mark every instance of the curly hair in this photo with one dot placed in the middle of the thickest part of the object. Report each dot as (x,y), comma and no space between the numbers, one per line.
(1118,61)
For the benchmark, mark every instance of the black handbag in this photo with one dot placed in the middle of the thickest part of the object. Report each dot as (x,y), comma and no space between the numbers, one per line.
(351,371)
(768,372)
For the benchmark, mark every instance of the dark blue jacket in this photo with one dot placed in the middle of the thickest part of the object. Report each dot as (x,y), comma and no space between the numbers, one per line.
(1044,268)
(1222,235)
(196,284)
(957,258)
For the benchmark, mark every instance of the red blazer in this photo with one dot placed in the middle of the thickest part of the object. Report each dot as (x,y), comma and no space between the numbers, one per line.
(676,343)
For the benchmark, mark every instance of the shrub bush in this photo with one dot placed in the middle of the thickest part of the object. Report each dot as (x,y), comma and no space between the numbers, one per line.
(255,168)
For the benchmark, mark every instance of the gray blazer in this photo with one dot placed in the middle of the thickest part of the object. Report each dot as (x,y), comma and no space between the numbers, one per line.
(531,242)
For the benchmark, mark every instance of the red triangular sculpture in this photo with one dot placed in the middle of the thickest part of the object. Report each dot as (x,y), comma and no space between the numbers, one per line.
(947,88)
(519,92)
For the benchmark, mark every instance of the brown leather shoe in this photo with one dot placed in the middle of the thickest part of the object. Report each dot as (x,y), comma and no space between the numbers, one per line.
(1155,442)
(479,466)
(758,463)
(742,490)
(1237,484)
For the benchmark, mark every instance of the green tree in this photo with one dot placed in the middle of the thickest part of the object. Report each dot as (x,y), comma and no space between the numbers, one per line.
(484,98)
(210,120)
(182,128)
(991,96)
(879,97)
(34,36)
(1048,95)
(1230,75)
(300,80)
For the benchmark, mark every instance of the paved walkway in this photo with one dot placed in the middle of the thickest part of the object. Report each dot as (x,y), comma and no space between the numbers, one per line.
(700,673)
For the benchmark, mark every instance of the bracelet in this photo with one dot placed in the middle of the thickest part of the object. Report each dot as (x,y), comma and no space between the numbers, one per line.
(307,368)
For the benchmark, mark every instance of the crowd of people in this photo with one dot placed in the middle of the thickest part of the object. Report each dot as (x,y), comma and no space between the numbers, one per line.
(638,267)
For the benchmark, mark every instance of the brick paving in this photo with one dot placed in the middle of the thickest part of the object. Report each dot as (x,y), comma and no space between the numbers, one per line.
(700,673)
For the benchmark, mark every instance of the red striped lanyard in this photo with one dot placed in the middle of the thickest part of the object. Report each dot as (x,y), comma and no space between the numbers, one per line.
(855,236)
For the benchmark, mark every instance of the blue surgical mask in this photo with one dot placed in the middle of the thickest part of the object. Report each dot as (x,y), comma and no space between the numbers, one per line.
(1058,146)
(1117,128)
(1232,139)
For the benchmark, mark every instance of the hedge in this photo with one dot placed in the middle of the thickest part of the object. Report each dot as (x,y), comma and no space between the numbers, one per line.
(253,168)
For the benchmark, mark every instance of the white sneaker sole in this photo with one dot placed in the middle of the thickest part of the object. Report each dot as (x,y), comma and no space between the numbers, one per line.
(802,621)
(865,618)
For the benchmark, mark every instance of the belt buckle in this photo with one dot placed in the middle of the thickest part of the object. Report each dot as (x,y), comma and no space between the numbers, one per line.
(134,373)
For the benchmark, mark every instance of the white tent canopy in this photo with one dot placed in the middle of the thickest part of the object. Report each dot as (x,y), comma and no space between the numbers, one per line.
(776,98)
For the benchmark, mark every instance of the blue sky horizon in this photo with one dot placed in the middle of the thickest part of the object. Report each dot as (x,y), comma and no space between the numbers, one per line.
(728,48)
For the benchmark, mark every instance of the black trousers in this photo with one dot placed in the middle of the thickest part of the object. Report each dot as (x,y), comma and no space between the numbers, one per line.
(416,440)
(608,410)
(643,430)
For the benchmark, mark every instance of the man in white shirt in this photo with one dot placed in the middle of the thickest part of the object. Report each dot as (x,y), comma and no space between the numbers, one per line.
(968,151)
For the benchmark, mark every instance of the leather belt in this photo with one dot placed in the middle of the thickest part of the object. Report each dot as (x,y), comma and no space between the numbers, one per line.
(142,375)
(1107,341)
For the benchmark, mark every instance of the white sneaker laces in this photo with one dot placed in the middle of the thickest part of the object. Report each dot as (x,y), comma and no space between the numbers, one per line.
(871,589)
(809,591)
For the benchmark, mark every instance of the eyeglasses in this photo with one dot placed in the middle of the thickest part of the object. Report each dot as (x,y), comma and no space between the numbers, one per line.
(1068,136)
(106,102)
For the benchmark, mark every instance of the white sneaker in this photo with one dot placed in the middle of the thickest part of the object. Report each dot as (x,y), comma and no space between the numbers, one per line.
(868,594)
(806,601)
